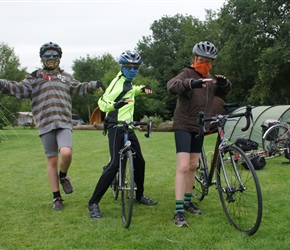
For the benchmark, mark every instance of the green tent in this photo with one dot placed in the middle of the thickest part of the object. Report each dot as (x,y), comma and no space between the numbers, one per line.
(260,115)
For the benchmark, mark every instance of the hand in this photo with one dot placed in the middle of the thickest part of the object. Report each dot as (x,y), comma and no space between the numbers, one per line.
(195,83)
(146,89)
(100,86)
(221,80)
(119,104)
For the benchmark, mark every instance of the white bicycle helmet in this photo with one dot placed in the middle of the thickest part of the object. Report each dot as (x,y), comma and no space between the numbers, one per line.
(205,49)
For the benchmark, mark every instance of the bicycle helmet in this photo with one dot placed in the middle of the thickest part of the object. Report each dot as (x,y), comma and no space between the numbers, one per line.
(205,49)
(48,46)
(130,56)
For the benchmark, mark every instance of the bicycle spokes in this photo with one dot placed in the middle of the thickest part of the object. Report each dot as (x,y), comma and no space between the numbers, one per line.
(239,190)
(127,189)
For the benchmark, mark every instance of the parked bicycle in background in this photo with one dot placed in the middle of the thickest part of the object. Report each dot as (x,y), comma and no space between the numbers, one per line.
(276,139)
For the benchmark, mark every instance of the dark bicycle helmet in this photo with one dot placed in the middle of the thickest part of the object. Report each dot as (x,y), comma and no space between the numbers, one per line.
(50,46)
(130,56)
(205,49)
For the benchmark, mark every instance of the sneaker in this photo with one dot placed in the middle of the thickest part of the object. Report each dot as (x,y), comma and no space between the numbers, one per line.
(146,201)
(192,208)
(179,220)
(57,204)
(67,187)
(95,211)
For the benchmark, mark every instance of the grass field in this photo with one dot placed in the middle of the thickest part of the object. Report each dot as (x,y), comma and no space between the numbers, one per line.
(27,220)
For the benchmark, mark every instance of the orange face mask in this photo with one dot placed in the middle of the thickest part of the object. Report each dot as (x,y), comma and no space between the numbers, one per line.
(201,67)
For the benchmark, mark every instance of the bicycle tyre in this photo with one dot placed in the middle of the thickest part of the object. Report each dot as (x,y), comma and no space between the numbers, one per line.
(200,188)
(241,198)
(127,188)
(115,186)
(274,140)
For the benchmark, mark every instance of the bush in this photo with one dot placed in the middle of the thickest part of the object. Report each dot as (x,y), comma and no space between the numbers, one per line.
(156,120)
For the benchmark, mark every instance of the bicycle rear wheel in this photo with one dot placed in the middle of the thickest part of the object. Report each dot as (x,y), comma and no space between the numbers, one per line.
(200,188)
(239,190)
(127,188)
(274,140)
(115,186)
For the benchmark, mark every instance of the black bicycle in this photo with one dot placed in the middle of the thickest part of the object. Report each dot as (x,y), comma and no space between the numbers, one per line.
(124,179)
(236,179)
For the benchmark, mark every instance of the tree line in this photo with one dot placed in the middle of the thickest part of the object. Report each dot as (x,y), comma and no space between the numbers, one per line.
(253,39)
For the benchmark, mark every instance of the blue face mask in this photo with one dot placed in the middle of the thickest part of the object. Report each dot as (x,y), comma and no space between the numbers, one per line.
(130,73)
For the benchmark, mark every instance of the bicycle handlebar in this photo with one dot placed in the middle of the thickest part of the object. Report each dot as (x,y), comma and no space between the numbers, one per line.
(219,118)
(126,124)
(248,114)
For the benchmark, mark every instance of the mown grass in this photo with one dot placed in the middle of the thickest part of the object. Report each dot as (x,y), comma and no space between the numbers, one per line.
(27,220)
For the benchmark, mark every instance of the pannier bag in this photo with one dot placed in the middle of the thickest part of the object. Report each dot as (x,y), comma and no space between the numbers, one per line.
(258,162)
(246,144)
(267,124)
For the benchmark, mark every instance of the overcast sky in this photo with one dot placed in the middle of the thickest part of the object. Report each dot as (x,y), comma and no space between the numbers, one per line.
(84,28)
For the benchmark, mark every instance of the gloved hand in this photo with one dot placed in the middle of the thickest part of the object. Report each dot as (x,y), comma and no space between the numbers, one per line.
(101,85)
(221,80)
(119,104)
(196,83)
(144,88)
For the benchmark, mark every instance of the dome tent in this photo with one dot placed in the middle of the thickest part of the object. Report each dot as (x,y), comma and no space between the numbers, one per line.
(260,114)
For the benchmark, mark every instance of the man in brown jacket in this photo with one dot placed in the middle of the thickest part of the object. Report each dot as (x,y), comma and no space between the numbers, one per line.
(195,89)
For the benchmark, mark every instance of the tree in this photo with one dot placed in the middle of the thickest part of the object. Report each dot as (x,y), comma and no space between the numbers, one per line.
(92,69)
(10,70)
(255,35)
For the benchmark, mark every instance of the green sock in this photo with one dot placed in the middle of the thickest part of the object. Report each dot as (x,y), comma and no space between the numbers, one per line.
(187,198)
(179,206)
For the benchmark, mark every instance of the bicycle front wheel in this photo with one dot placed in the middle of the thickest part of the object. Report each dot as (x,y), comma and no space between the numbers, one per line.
(127,188)
(239,189)
(274,140)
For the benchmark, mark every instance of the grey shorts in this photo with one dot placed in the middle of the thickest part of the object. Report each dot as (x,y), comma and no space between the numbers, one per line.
(56,139)
(187,142)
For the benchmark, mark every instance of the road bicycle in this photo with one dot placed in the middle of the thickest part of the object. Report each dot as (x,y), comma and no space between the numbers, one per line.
(124,179)
(276,139)
(236,179)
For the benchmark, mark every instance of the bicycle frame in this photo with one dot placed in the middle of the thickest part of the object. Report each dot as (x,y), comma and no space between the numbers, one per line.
(221,139)
(220,143)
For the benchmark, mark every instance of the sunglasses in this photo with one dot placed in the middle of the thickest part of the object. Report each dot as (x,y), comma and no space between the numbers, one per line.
(131,66)
(49,54)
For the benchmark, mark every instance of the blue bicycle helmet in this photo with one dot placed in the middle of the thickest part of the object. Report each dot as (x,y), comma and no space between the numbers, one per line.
(50,46)
(130,56)
(205,49)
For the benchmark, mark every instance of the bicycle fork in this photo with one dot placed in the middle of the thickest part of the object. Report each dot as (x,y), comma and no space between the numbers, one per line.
(230,190)
(123,165)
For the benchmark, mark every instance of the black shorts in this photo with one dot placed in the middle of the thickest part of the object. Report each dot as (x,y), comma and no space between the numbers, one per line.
(187,142)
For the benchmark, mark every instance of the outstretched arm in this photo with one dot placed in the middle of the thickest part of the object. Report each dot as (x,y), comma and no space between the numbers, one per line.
(78,88)
(20,90)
